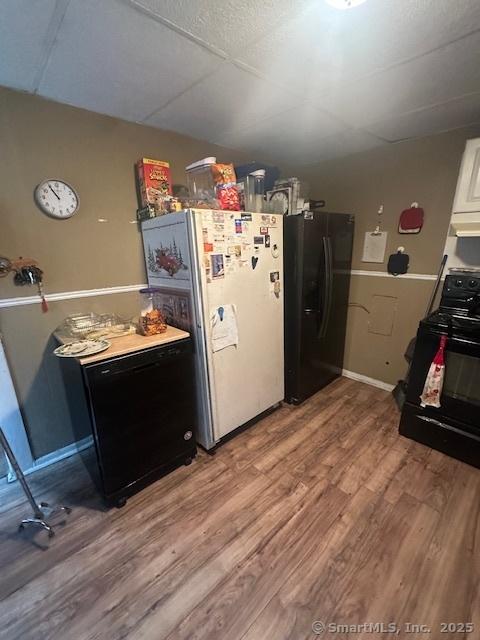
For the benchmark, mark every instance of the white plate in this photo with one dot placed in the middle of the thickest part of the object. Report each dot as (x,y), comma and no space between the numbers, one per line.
(81,349)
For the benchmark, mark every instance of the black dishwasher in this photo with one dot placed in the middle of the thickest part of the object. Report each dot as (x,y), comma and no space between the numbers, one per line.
(142,407)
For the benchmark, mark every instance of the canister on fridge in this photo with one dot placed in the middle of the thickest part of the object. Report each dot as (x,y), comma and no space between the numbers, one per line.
(151,320)
(258,190)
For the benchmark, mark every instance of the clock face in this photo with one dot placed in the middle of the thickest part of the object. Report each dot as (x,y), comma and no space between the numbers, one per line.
(57,199)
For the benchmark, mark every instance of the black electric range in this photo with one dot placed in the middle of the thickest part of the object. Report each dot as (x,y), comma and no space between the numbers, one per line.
(454,427)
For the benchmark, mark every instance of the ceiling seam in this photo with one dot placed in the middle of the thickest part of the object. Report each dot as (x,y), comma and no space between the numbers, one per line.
(262,76)
(413,58)
(438,48)
(141,8)
(372,135)
(360,78)
(470,94)
(346,123)
(61,7)
(476,123)
(56,21)
(428,107)
(328,136)
(294,93)
(258,74)
(179,95)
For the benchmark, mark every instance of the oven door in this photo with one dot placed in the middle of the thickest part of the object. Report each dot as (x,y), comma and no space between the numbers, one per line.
(461,388)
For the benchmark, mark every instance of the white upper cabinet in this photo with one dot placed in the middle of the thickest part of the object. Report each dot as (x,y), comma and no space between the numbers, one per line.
(467,195)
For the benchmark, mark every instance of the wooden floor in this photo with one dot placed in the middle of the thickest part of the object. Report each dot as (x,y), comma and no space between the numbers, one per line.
(318,513)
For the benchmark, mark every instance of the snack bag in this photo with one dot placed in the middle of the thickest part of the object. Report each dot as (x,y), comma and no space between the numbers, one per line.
(223,173)
(228,198)
(226,186)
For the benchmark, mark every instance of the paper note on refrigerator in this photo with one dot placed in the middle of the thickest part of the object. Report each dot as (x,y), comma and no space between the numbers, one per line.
(223,322)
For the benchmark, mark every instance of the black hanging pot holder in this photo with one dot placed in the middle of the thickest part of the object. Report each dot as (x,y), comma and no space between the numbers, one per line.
(398,263)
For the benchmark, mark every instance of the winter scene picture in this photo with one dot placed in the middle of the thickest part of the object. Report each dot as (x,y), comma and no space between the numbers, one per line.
(168,258)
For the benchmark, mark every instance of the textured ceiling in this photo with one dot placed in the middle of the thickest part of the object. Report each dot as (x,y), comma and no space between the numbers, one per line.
(287,80)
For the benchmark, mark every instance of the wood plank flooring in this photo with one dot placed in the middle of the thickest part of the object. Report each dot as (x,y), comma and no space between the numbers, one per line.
(319,512)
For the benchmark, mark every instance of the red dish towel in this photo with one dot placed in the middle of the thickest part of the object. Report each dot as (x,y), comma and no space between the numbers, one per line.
(432,389)
(411,220)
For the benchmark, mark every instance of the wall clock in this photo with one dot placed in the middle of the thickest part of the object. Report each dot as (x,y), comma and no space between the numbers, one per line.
(57,199)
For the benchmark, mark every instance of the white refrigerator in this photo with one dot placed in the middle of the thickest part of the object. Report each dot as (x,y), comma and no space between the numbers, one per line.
(221,278)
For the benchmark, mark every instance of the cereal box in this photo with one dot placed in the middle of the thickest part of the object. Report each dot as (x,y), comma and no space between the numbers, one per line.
(154,182)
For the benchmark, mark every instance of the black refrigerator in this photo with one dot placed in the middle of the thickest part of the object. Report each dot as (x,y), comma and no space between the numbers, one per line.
(317,264)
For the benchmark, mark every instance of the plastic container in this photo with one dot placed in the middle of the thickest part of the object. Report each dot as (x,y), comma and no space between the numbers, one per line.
(94,326)
(253,190)
(151,320)
(258,188)
(200,181)
(271,173)
(245,190)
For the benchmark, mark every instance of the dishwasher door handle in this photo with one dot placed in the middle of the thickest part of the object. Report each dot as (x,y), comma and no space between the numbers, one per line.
(141,367)
(136,362)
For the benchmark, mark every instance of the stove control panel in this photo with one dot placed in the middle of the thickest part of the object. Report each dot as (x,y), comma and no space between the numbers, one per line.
(464,283)
(459,289)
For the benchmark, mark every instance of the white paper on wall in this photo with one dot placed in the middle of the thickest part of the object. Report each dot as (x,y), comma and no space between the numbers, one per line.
(374,246)
(223,322)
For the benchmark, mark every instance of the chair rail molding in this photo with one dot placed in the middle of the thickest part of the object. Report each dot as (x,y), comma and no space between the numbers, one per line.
(6,303)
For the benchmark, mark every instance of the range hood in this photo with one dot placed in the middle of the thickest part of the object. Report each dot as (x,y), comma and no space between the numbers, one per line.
(466,225)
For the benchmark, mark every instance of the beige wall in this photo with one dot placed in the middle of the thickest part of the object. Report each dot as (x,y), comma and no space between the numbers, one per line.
(425,171)
(41,139)
(96,154)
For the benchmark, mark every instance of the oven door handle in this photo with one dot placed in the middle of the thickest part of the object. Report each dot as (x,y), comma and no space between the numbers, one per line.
(449,427)
(433,421)
(451,339)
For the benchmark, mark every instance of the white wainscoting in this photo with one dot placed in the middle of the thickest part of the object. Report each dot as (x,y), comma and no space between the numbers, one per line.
(90,293)
(385,274)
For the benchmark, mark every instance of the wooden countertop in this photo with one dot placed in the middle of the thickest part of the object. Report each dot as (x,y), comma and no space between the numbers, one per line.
(133,342)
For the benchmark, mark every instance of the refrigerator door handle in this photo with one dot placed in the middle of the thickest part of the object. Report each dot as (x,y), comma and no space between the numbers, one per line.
(321,300)
(328,286)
